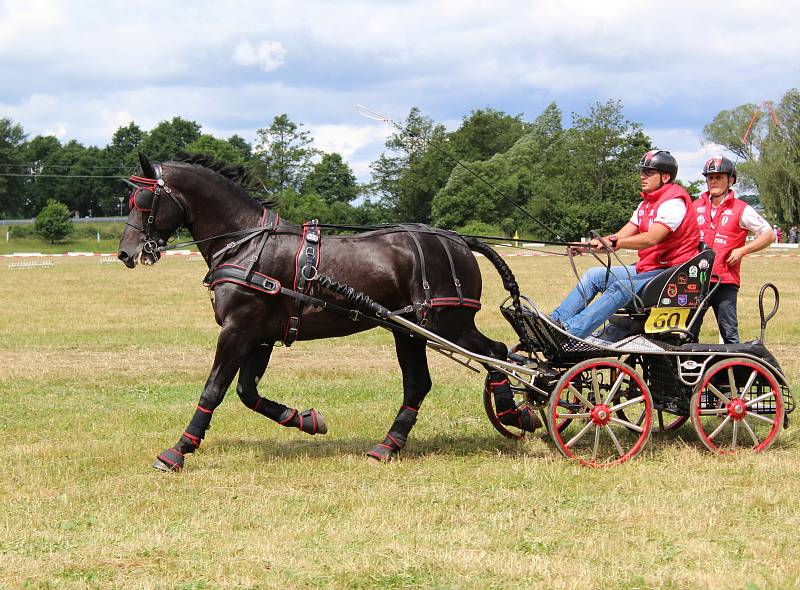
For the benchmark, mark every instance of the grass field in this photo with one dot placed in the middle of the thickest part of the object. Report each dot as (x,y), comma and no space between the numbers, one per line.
(101,368)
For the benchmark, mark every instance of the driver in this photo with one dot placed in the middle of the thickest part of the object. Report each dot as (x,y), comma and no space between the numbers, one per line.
(664,231)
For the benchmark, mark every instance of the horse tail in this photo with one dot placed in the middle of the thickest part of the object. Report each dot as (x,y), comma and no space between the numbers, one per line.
(509,282)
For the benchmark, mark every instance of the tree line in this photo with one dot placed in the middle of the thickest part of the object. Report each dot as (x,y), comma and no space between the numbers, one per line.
(570,178)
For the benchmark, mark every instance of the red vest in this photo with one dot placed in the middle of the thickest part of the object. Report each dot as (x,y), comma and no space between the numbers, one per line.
(680,245)
(723,234)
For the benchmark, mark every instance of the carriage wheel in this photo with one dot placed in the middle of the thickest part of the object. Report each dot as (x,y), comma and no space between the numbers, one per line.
(738,405)
(607,408)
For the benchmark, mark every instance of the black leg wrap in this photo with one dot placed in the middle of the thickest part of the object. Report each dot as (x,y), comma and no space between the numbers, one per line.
(508,413)
(169,460)
(397,436)
(309,421)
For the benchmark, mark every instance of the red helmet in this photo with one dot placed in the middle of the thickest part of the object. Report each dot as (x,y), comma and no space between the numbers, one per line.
(720,165)
(660,160)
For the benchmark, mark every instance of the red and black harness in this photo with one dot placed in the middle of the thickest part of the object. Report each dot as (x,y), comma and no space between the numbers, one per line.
(145,197)
(306,273)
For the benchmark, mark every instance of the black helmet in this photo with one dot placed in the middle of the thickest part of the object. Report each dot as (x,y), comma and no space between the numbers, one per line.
(660,160)
(720,165)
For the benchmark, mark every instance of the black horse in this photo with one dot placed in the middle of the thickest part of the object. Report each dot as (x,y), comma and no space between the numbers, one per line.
(267,281)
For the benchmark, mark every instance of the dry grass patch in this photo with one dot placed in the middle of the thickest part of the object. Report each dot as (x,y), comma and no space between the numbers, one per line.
(91,389)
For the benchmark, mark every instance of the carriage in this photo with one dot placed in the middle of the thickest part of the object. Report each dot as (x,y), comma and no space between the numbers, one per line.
(600,401)
(273,281)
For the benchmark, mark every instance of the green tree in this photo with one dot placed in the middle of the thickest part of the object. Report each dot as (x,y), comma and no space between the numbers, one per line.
(220,149)
(729,127)
(332,179)
(168,138)
(283,155)
(12,161)
(53,223)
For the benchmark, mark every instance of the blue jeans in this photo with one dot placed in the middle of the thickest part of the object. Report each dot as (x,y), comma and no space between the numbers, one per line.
(581,319)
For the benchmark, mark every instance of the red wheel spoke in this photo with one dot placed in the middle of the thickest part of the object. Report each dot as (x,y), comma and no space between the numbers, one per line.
(759,398)
(596,444)
(752,434)
(614,389)
(718,393)
(749,384)
(719,428)
(579,436)
(580,397)
(626,403)
(596,386)
(627,424)
(732,381)
(762,418)
(614,439)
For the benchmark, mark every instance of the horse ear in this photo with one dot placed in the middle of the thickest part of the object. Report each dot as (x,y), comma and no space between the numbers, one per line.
(147,167)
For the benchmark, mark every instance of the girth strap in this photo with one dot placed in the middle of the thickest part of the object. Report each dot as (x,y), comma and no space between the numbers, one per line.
(456,282)
(306,263)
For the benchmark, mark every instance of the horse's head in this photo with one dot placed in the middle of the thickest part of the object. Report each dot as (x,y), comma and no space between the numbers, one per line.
(155,214)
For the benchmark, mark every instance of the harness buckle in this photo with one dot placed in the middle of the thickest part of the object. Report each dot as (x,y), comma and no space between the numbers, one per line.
(268,284)
(314,273)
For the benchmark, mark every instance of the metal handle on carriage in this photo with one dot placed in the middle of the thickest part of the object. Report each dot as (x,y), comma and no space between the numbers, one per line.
(767,318)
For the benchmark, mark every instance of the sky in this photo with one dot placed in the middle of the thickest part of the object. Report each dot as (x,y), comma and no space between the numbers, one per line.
(82,69)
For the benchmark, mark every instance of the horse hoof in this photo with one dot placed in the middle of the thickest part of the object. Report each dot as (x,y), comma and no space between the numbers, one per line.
(312,422)
(374,461)
(169,460)
(380,454)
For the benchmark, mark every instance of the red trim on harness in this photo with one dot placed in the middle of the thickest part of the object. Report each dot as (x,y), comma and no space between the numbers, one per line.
(409,408)
(274,281)
(258,404)
(494,383)
(394,440)
(205,410)
(509,411)
(454,302)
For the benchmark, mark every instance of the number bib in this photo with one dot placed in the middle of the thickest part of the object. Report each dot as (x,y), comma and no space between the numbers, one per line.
(664,318)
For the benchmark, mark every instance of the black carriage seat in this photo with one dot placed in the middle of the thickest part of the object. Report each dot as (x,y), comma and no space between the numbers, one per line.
(671,298)
(679,286)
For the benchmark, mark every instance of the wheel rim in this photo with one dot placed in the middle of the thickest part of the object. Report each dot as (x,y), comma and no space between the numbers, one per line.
(611,420)
(738,406)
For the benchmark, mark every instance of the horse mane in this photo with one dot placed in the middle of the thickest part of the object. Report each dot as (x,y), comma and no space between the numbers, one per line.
(236,173)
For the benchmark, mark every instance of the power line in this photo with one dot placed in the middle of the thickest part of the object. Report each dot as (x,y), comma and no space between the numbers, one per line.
(59,175)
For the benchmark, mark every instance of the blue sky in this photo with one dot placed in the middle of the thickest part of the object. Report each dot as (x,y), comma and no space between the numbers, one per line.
(80,70)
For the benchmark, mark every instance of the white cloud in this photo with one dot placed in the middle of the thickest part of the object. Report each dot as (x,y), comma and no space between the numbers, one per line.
(269,55)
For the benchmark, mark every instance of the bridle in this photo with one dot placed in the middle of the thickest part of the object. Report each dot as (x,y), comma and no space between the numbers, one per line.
(145,197)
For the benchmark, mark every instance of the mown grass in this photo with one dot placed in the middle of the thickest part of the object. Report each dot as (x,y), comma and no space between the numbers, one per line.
(100,369)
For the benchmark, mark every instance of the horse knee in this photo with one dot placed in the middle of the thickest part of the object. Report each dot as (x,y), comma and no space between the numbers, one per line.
(248,396)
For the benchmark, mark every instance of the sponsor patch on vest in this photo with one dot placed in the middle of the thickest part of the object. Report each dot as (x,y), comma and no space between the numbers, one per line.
(725,219)
(693,271)
(701,209)
(672,289)
(701,219)
(692,288)
(703,264)
(728,212)
(682,300)
(666,301)
(682,279)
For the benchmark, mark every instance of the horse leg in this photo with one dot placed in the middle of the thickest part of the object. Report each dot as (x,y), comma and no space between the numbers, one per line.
(413,360)
(473,340)
(232,346)
(255,364)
